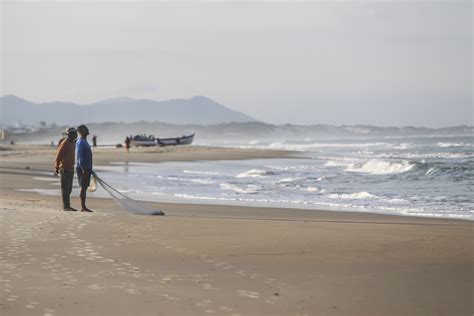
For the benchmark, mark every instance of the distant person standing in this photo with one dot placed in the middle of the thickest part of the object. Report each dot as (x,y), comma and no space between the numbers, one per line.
(127,144)
(94,141)
(64,165)
(84,164)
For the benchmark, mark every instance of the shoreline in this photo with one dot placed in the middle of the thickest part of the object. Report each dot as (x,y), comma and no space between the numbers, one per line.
(292,210)
(243,212)
(27,159)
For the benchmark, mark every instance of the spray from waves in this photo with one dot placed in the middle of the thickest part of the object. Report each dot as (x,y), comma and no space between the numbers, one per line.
(309,146)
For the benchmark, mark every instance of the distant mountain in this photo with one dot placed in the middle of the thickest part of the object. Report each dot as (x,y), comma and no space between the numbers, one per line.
(196,110)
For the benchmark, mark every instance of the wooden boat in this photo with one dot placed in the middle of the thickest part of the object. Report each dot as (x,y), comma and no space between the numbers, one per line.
(183,140)
(150,140)
(143,141)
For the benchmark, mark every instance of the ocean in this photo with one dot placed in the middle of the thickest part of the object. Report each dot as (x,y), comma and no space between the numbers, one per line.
(420,176)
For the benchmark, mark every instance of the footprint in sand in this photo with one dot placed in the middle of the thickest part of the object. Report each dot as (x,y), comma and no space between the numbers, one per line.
(250,294)
(12,298)
(203,303)
(208,287)
(171,298)
(95,287)
(270,280)
(48,312)
(225,308)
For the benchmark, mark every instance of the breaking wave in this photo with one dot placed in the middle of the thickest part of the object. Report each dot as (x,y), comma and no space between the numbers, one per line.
(248,189)
(253,173)
(354,196)
(288,180)
(385,167)
(381,167)
(447,145)
(373,166)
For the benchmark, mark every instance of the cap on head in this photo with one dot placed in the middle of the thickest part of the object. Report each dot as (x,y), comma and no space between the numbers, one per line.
(82,129)
(70,130)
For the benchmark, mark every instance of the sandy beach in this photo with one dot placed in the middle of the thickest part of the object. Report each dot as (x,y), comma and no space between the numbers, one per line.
(214,259)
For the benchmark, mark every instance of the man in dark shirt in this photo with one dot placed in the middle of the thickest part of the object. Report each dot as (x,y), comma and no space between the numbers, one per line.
(64,165)
(84,164)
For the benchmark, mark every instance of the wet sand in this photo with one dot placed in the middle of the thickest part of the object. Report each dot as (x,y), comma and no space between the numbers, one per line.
(222,260)
(42,155)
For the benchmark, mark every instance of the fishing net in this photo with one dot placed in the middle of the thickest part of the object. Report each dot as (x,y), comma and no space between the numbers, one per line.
(129,204)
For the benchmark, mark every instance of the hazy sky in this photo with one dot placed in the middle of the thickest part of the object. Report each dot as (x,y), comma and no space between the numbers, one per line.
(339,62)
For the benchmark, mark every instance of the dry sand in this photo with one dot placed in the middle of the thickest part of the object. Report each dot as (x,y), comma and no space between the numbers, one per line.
(222,260)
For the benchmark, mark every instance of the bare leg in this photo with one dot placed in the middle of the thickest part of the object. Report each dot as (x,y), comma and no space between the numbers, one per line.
(82,195)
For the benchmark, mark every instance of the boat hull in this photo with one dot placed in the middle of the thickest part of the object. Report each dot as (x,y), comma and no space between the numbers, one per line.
(162,142)
(185,140)
(143,143)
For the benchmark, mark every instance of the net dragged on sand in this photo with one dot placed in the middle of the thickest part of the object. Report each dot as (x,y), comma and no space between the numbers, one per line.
(129,204)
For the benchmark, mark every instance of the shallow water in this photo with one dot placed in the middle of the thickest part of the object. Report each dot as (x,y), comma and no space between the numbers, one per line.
(410,176)
(430,176)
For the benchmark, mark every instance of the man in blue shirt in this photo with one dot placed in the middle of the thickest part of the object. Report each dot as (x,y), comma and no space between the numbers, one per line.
(83,164)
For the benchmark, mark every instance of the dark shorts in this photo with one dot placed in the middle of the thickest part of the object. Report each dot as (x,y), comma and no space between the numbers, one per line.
(84,179)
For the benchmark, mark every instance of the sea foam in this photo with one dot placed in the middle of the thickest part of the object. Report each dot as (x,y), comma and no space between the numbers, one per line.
(376,166)
(353,196)
(253,173)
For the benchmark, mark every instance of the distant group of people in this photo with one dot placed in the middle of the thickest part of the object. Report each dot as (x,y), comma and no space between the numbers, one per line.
(73,152)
